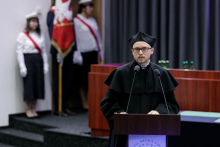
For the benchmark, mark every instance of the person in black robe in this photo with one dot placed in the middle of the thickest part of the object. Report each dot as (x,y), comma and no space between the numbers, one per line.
(147,96)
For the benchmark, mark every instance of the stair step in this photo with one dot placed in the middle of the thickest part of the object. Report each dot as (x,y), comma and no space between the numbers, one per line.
(5,145)
(22,123)
(57,138)
(20,138)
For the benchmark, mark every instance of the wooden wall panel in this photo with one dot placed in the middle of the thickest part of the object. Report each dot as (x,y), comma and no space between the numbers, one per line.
(106,68)
(97,13)
(99,132)
(198,74)
(214,96)
(192,94)
(75,7)
(97,90)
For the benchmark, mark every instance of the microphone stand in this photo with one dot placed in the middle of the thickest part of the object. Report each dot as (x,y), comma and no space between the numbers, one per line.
(130,92)
(163,94)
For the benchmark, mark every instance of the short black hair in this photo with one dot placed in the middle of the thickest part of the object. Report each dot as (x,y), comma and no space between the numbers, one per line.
(81,6)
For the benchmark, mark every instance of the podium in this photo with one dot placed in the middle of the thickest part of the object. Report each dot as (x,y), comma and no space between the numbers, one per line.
(198,90)
(147,130)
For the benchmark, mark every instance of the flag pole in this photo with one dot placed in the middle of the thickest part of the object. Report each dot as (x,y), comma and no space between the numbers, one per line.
(60,89)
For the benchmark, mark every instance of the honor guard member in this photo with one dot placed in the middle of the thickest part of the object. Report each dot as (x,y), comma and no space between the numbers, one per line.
(61,31)
(33,62)
(147,96)
(88,44)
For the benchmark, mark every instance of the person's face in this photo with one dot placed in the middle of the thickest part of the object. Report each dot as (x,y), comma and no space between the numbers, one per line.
(33,24)
(142,57)
(88,10)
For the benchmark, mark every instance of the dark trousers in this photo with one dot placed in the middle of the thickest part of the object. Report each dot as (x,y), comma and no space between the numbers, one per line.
(116,140)
(66,80)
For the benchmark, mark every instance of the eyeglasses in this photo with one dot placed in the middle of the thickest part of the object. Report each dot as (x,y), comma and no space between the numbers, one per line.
(143,49)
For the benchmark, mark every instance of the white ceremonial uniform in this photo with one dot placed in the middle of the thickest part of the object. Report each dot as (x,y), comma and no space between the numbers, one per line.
(84,39)
(26,46)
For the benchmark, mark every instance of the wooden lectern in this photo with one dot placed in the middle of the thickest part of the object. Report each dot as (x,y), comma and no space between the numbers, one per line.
(146,130)
(198,90)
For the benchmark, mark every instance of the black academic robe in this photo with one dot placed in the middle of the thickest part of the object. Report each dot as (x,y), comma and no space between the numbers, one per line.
(146,94)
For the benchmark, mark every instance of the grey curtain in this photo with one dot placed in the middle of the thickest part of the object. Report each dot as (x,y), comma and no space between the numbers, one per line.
(186,30)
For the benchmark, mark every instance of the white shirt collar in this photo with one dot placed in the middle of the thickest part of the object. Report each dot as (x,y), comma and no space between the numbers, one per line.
(144,67)
(82,17)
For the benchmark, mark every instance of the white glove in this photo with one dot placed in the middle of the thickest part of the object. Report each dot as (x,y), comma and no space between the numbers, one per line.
(46,68)
(59,59)
(68,15)
(23,71)
(77,58)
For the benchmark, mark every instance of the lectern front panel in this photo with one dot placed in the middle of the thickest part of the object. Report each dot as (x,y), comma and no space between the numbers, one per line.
(147,141)
(143,124)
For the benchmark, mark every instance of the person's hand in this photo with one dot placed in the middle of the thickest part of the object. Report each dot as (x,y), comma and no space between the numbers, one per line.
(23,71)
(77,58)
(59,59)
(68,15)
(153,112)
(123,113)
(46,68)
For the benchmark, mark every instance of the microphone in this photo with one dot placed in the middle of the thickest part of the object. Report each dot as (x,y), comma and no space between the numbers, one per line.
(157,73)
(136,69)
